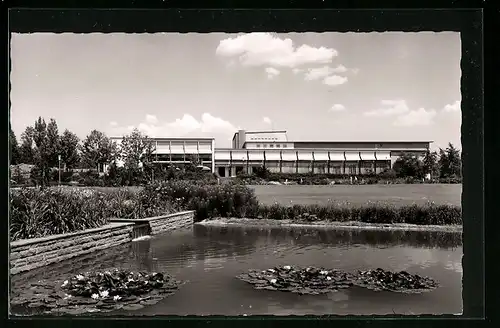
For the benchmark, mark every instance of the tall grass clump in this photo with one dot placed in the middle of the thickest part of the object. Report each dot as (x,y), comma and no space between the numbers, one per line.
(38,213)
(429,214)
(207,200)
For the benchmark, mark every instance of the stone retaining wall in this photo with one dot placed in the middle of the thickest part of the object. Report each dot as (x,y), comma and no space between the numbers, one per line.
(33,253)
(165,223)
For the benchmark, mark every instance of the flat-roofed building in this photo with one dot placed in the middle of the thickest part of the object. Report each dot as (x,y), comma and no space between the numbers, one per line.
(180,151)
(251,149)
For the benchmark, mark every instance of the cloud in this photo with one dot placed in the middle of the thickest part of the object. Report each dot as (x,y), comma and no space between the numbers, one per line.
(322,72)
(337,108)
(272,72)
(151,119)
(334,80)
(267,120)
(355,71)
(265,49)
(185,126)
(113,123)
(455,107)
(297,70)
(390,107)
(419,117)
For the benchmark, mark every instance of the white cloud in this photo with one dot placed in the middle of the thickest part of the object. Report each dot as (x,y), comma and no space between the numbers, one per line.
(297,70)
(355,71)
(334,80)
(337,108)
(265,49)
(419,117)
(113,123)
(455,107)
(267,120)
(185,126)
(151,119)
(390,107)
(318,73)
(272,72)
(322,72)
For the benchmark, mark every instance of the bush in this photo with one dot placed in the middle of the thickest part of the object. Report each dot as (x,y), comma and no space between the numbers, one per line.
(207,200)
(37,213)
(429,214)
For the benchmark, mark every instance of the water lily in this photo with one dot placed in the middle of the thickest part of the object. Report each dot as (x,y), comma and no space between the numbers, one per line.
(95,296)
(116,297)
(65,283)
(307,269)
(79,277)
(287,267)
(67,296)
(271,270)
(130,280)
(323,272)
(104,293)
(328,278)
(273,281)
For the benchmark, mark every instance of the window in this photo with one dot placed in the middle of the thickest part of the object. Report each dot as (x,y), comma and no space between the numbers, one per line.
(277,146)
(271,146)
(265,146)
(284,146)
(258,145)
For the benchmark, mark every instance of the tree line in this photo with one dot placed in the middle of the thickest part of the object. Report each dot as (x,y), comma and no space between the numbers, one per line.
(41,145)
(442,164)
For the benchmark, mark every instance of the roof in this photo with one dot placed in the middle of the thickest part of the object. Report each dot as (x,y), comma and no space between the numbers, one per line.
(174,138)
(361,141)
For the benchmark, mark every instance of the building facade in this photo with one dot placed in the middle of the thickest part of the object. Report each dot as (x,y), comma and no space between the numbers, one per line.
(272,149)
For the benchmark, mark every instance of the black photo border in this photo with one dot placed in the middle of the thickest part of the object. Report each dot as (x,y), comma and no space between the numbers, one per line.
(304,16)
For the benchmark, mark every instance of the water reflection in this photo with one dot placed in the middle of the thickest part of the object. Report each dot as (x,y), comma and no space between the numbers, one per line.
(209,258)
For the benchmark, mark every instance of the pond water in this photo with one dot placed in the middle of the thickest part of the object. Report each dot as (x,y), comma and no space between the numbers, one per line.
(209,258)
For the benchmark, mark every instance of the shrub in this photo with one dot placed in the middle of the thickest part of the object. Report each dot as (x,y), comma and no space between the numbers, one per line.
(37,213)
(207,200)
(429,214)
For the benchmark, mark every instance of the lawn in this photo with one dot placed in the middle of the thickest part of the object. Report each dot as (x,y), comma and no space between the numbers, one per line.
(358,195)
(397,194)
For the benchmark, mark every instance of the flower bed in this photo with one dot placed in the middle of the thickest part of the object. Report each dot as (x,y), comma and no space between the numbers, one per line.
(319,280)
(98,292)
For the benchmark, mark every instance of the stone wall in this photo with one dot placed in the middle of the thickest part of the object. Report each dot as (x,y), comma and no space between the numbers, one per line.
(165,223)
(34,253)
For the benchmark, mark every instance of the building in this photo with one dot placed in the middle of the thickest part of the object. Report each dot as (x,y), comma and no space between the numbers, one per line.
(272,149)
(252,149)
(179,151)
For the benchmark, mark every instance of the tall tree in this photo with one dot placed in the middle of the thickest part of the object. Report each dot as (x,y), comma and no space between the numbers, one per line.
(14,148)
(136,148)
(450,162)
(97,149)
(41,155)
(430,163)
(53,146)
(68,148)
(26,151)
(408,165)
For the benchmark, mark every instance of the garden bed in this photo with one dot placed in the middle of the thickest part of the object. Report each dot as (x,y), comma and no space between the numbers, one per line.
(315,281)
(101,291)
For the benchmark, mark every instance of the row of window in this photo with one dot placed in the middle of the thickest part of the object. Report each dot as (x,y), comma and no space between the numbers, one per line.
(252,138)
(271,145)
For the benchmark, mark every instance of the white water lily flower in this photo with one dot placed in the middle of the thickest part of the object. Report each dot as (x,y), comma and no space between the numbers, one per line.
(65,283)
(287,267)
(130,280)
(79,277)
(104,293)
(271,270)
(307,269)
(273,281)
(146,282)
(67,296)
(323,272)
(328,278)
(116,297)
(95,296)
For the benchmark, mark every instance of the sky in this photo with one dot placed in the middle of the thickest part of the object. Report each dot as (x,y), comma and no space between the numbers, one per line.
(392,86)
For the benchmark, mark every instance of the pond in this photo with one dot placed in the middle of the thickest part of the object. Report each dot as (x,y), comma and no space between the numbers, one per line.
(210,258)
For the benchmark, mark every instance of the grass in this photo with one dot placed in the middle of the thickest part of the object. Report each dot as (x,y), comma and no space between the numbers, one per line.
(397,195)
